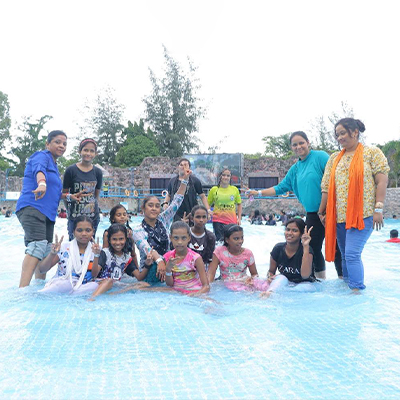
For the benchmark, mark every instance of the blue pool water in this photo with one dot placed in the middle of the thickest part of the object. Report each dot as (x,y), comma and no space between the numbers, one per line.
(328,344)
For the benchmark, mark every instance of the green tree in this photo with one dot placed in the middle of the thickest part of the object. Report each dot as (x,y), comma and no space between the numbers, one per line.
(323,130)
(139,144)
(278,146)
(392,153)
(173,109)
(5,120)
(30,142)
(103,121)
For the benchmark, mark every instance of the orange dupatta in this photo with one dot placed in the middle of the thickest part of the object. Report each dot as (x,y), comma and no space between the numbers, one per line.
(355,201)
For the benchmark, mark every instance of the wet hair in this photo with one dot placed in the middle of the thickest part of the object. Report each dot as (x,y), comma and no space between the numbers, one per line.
(53,134)
(147,199)
(180,225)
(394,233)
(298,133)
(114,210)
(256,213)
(82,218)
(112,230)
(229,230)
(198,207)
(84,142)
(184,159)
(299,223)
(351,124)
(220,176)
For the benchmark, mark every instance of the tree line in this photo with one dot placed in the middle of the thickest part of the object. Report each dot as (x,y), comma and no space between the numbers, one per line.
(172,112)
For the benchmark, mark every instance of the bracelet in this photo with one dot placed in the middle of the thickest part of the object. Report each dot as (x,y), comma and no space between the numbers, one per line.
(68,197)
(185,182)
(379,210)
(42,183)
(96,255)
(159,259)
(260,193)
(168,274)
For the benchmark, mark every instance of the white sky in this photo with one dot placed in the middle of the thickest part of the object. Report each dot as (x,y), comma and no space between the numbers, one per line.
(266,67)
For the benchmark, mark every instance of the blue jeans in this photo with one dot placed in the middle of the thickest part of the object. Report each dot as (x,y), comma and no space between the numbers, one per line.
(351,244)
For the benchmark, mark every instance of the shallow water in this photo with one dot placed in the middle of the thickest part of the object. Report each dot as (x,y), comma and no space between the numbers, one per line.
(327,344)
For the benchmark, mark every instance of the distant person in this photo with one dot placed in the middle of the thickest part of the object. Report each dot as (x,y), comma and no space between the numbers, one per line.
(271,220)
(227,204)
(62,214)
(4,210)
(394,236)
(257,218)
(284,218)
(194,188)
(394,217)
(105,190)
(8,213)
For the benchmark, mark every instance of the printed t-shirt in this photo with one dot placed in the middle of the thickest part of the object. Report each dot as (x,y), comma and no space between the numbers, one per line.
(224,200)
(185,275)
(290,267)
(63,256)
(112,266)
(203,245)
(76,181)
(233,267)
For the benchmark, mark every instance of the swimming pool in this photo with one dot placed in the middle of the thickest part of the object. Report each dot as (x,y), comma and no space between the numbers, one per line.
(327,344)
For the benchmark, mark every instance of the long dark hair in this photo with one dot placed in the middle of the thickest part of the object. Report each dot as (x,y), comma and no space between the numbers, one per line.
(299,222)
(229,230)
(114,210)
(82,218)
(351,124)
(113,229)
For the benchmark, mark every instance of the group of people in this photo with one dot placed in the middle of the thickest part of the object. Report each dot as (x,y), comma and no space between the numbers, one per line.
(342,194)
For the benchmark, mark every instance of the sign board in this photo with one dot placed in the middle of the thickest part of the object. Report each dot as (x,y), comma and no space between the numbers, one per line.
(207,167)
(12,195)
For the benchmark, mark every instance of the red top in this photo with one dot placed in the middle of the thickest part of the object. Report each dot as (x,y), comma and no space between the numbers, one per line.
(394,240)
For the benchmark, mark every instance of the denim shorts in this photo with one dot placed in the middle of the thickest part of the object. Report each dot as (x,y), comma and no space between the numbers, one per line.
(37,226)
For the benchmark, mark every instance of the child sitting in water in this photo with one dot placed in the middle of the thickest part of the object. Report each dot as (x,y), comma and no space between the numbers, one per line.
(185,270)
(119,215)
(293,259)
(202,241)
(114,260)
(233,261)
(76,260)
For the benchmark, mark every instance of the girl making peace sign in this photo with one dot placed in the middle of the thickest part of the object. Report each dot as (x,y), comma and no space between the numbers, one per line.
(293,259)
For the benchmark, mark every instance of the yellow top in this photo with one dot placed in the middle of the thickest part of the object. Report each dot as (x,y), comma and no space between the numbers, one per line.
(374,162)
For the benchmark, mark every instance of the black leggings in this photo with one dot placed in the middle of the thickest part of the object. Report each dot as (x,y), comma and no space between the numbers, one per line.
(317,237)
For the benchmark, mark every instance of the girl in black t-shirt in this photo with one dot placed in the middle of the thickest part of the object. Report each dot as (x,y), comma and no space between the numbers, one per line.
(293,259)
(85,179)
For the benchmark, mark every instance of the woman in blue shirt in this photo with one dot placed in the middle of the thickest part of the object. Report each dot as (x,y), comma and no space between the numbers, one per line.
(304,179)
(38,203)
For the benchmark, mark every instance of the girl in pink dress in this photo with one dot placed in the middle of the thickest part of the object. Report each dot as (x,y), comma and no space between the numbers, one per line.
(233,261)
(185,270)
